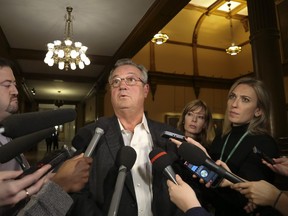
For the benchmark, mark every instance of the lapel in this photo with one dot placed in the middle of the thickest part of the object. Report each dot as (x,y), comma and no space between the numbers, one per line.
(115,142)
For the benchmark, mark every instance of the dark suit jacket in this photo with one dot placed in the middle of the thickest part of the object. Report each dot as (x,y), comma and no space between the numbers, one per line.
(104,174)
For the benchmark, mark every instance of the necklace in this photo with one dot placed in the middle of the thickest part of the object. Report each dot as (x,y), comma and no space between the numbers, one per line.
(234,148)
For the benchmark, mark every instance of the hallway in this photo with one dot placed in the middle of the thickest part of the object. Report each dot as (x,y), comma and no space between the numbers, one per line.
(40,152)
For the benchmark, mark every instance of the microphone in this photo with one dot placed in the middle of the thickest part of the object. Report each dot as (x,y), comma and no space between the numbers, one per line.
(126,158)
(22,144)
(161,161)
(97,135)
(196,156)
(18,125)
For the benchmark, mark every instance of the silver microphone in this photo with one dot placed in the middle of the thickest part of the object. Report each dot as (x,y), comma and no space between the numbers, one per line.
(97,135)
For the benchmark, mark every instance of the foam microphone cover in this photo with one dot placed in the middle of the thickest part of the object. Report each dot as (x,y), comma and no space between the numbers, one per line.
(22,144)
(126,156)
(18,125)
(160,159)
(192,154)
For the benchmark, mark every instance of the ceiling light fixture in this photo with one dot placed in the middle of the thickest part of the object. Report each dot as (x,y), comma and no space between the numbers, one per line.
(160,38)
(233,49)
(66,53)
(33,91)
(59,102)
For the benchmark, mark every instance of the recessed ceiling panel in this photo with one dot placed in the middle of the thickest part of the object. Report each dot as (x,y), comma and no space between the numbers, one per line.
(202,3)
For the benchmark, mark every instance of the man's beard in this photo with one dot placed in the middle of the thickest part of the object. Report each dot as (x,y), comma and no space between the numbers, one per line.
(12,108)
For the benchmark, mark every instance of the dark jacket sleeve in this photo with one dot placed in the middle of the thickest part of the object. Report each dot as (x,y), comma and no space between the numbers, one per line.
(197,211)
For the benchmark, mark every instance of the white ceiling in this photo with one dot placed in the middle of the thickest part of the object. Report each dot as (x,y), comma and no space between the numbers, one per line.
(110,30)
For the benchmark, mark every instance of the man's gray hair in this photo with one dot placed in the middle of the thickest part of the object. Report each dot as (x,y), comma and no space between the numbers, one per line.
(127,61)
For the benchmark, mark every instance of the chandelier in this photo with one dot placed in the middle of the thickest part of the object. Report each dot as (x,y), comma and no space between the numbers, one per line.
(233,49)
(66,53)
(160,38)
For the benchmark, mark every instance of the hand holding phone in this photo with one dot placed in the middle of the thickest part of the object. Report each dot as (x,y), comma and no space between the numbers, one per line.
(54,159)
(200,171)
(204,173)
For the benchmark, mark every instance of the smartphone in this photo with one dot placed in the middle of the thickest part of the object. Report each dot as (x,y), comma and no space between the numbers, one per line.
(204,173)
(263,156)
(55,158)
(200,171)
(168,134)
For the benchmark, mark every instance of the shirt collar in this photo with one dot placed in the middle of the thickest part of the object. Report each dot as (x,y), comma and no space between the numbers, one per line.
(143,123)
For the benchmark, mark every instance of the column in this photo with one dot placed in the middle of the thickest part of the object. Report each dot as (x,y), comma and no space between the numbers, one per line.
(264,37)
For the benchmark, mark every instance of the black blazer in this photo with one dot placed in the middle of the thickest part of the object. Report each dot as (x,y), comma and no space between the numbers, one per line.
(104,173)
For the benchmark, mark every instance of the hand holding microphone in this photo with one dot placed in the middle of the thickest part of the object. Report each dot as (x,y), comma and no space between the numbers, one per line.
(182,195)
(77,169)
(73,174)
(196,156)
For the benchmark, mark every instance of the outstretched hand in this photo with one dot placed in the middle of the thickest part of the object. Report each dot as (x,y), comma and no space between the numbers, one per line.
(191,141)
(182,194)
(12,191)
(280,166)
(73,174)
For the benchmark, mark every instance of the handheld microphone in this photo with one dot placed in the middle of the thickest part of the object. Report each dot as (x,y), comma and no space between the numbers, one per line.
(196,156)
(18,125)
(162,162)
(126,158)
(94,141)
(22,144)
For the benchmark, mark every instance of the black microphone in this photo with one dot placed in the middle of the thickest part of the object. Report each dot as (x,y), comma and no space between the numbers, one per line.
(161,161)
(126,158)
(21,144)
(18,125)
(196,156)
(94,141)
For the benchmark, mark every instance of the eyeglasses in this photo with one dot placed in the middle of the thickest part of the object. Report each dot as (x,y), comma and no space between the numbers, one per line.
(130,81)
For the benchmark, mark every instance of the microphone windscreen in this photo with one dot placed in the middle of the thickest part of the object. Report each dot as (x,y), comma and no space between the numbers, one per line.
(160,159)
(126,156)
(18,125)
(192,154)
(22,144)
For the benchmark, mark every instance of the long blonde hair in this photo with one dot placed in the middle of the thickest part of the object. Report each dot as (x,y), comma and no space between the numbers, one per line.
(207,134)
(258,125)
